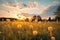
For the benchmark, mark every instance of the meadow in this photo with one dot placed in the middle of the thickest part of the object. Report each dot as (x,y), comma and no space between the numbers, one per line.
(29,30)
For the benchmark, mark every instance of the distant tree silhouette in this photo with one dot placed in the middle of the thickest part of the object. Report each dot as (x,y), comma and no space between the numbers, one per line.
(39,18)
(27,19)
(34,17)
(5,19)
(57,13)
(57,18)
(0,19)
(49,19)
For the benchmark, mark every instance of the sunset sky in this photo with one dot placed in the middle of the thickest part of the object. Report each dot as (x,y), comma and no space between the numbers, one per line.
(44,8)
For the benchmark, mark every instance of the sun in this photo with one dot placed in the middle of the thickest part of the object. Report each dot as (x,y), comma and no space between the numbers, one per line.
(21,17)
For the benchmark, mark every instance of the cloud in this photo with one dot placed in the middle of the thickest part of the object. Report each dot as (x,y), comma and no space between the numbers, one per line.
(56,2)
(49,8)
(44,8)
(33,4)
(17,9)
(30,8)
(4,13)
(48,11)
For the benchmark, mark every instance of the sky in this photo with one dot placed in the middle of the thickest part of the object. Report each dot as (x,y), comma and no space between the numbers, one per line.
(44,8)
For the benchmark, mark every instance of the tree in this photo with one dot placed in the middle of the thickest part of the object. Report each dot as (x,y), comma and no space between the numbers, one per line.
(57,18)
(27,19)
(49,19)
(34,17)
(39,18)
(57,13)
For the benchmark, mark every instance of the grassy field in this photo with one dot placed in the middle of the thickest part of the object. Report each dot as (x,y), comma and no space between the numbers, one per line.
(29,30)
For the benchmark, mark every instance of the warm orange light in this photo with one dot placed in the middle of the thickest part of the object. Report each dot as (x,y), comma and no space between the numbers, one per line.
(21,17)
(35,32)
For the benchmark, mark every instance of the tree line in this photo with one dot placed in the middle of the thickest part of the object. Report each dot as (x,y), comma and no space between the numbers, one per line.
(39,18)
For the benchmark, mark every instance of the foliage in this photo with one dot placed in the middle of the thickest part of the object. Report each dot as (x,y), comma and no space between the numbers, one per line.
(57,13)
(24,30)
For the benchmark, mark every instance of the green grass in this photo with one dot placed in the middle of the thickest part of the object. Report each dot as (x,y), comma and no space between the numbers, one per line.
(24,30)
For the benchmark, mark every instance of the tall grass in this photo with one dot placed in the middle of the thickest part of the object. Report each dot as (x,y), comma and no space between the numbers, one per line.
(28,30)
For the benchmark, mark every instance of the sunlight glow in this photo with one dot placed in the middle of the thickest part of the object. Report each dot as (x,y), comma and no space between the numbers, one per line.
(21,17)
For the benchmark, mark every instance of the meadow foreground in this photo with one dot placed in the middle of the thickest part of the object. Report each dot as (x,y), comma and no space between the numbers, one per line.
(29,30)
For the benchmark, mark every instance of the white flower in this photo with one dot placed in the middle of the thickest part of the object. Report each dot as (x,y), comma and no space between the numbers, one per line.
(52,38)
(35,32)
(50,28)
